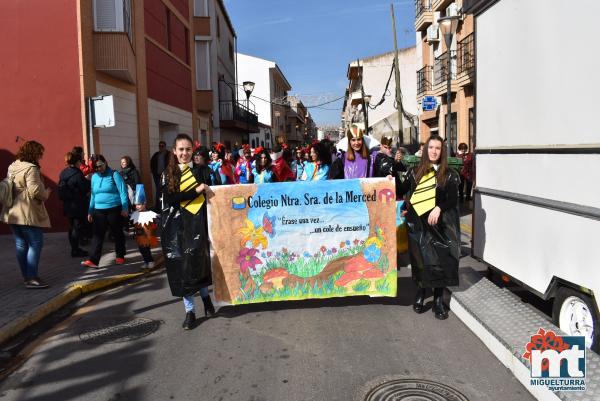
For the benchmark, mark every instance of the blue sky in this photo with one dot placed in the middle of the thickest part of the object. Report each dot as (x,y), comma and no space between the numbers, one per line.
(313,41)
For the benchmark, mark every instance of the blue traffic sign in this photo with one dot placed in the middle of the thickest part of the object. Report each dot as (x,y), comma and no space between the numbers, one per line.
(429,103)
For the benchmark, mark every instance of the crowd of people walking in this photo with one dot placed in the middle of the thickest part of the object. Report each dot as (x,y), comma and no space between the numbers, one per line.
(97,199)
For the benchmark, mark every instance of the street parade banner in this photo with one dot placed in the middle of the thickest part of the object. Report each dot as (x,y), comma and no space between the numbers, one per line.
(301,240)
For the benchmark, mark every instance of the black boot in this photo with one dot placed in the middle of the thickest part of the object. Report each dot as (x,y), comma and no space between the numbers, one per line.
(190,321)
(419,300)
(209,309)
(438,304)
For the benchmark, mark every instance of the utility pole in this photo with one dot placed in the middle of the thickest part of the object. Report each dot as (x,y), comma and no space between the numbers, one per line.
(397,69)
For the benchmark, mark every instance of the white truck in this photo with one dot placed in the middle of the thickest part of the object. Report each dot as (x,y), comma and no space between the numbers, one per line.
(537,197)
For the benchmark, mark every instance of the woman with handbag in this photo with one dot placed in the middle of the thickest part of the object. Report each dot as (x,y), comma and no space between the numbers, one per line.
(185,188)
(27,215)
(433,225)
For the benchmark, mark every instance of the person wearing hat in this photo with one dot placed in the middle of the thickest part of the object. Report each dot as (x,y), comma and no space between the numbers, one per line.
(385,164)
(243,169)
(221,164)
(200,158)
(355,162)
(145,227)
(262,172)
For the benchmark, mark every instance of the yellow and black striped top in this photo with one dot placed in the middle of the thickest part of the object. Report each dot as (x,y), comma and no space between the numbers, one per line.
(189,183)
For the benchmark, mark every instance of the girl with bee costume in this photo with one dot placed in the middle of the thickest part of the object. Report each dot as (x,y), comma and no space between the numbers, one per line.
(433,225)
(185,242)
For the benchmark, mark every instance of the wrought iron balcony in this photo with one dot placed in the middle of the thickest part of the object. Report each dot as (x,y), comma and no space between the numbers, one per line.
(440,67)
(466,56)
(422,6)
(424,78)
(236,115)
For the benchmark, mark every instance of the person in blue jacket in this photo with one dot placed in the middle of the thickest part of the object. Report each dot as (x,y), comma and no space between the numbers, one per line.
(109,203)
(262,172)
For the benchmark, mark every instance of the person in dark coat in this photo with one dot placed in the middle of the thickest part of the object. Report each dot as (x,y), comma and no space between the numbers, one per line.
(130,174)
(433,225)
(184,239)
(73,191)
(158,164)
(385,164)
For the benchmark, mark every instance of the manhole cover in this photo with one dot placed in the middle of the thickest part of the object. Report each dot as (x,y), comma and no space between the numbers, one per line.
(414,390)
(119,330)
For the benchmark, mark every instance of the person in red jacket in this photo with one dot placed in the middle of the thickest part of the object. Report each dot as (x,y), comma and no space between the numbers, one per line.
(466,172)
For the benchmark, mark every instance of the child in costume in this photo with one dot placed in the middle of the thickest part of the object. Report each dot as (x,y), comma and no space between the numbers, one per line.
(222,165)
(145,227)
(243,169)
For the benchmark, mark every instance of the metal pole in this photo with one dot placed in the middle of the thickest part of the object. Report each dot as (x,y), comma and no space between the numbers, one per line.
(397,77)
(448,38)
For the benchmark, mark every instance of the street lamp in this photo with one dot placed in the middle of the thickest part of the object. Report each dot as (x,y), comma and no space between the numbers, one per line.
(248,88)
(448,27)
(367,100)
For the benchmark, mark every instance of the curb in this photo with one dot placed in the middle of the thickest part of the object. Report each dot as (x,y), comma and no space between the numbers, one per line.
(69,294)
(501,352)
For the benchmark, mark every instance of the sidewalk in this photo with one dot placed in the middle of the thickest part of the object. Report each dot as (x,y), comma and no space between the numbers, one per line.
(68,280)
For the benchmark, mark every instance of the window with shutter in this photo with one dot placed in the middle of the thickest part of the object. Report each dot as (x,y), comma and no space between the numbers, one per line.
(112,15)
(105,15)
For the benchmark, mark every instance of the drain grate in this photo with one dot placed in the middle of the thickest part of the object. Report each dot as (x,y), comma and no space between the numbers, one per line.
(117,330)
(414,389)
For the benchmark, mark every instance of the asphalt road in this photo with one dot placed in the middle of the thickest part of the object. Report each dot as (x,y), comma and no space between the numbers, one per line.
(311,350)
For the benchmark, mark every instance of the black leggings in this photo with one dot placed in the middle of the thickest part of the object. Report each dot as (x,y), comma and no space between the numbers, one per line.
(76,227)
(101,220)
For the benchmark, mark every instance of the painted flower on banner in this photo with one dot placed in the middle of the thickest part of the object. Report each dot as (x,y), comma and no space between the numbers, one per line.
(356,241)
(333,250)
(247,259)
(372,253)
(323,249)
(306,255)
(374,241)
(342,244)
(252,234)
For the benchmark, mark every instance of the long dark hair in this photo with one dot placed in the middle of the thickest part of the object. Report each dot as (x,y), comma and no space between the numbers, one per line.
(129,162)
(173,172)
(425,165)
(322,151)
(260,168)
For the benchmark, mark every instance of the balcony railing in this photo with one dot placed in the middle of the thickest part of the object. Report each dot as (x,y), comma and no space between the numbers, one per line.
(421,6)
(466,56)
(424,76)
(440,67)
(230,110)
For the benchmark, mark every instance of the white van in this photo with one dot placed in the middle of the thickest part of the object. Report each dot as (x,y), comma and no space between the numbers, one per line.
(537,198)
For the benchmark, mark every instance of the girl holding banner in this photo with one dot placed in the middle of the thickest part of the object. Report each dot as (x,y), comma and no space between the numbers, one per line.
(433,225)
(185,243)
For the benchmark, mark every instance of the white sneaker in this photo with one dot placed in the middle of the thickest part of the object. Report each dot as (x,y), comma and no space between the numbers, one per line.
(148,266)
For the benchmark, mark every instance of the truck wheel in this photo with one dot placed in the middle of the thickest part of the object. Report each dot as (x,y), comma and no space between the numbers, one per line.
(575,314)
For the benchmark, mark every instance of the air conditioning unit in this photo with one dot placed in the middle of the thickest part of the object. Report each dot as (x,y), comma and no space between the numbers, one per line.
(433,33)
(452,10)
